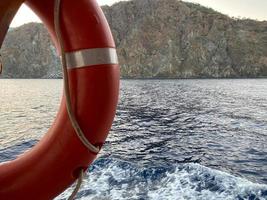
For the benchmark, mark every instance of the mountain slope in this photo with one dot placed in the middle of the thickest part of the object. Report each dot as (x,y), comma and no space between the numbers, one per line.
(156,39)
(28,53)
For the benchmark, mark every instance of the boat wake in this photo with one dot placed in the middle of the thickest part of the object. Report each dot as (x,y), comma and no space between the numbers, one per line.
(111,178)
(116,179)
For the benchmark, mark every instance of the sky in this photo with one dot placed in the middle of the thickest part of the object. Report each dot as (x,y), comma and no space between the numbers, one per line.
(254,9)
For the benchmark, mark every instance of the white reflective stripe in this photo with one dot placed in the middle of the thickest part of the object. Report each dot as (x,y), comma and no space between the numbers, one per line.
(91,57)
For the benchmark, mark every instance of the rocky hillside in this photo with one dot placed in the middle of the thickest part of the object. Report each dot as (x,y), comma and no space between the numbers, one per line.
(28,53)
(155,39)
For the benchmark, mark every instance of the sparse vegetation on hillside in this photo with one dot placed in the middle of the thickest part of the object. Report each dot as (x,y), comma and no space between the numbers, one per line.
(156,39)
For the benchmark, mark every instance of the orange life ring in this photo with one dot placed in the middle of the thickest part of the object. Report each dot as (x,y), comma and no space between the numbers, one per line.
(54,163)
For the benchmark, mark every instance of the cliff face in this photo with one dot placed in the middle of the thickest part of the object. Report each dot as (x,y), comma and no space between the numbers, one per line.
(28,53)
(156,39)
(169,38)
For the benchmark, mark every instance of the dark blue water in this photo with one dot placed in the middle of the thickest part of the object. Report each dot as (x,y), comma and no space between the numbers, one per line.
(179,139)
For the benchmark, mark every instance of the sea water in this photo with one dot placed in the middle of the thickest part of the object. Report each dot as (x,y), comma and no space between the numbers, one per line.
(171,139)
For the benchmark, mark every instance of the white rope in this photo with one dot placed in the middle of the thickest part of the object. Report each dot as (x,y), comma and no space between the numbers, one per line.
(72,117)
(78,185)
(71,114)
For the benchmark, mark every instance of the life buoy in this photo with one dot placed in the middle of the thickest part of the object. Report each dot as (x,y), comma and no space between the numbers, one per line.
(54,163)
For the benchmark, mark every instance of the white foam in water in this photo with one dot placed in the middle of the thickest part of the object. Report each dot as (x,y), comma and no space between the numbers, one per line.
(116,180)
(198,182)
